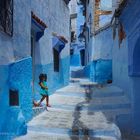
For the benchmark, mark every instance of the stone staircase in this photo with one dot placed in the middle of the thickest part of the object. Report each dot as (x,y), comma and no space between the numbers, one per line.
(38,110)
(112,101)
(83,110)
(77,72)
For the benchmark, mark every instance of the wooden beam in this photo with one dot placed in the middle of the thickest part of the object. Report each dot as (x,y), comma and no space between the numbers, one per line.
(100,12)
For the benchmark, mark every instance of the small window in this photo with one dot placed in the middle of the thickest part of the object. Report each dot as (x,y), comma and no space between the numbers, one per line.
(6,16)
(71,51)
(13,98)
(56,60)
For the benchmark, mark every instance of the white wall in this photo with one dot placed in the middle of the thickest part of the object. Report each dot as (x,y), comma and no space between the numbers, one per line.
(56,15)
(103,44)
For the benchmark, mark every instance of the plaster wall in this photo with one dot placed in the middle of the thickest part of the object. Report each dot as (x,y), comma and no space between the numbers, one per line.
(15,61)
(127,60)
(57,22)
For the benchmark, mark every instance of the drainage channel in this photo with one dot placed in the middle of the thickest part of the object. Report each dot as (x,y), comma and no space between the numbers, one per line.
(79,130)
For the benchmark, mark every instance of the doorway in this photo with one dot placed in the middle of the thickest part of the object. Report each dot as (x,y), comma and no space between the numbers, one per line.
(82,54)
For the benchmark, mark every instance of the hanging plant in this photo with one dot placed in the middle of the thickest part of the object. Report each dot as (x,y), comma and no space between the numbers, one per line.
(121,34)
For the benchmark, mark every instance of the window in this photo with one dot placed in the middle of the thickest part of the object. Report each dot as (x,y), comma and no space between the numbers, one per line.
(13,98)
(56,60)
(73,36)
(6,16)
(71,51)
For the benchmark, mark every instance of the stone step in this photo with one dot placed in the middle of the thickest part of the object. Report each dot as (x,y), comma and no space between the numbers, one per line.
(77,72)
(94,108)
(69,124)
(63,98)
(53,136)
(87,83)
(74,80)
(107,91)
(38,110)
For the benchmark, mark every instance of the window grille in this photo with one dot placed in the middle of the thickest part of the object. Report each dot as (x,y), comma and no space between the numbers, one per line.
(6,16)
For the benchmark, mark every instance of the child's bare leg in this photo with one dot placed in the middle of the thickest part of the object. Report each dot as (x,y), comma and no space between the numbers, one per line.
(47,101)
(43,97)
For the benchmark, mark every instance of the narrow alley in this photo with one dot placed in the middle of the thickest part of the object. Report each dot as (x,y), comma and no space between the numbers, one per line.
(70,70)
(78,112)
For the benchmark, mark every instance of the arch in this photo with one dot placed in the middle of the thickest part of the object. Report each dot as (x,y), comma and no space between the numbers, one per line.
(136,59)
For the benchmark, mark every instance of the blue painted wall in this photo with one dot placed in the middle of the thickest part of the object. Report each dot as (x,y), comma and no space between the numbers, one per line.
(99,71)
(100,65)
(75,60)
(87,70)
(56,80)
(77,46)
(16,66)
(126,67)
(16,76)
(4,98)
(20,78)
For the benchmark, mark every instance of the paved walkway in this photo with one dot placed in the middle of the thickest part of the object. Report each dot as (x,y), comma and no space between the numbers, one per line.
(74,115)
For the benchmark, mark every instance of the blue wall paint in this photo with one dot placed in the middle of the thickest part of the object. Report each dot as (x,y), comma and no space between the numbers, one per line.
(126,60)
(20,78)
(19,74)
(55,79)
(103,71)
(13,119)
(75,59)
(102,45)
(100,70)
(100,65)
(87,69)
(4,69)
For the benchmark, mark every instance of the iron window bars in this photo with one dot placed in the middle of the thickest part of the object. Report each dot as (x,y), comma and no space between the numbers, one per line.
(6,16)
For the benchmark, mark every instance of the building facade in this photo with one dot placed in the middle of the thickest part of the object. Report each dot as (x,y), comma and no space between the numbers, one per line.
(30,32)
(126,66)
(112,52)
(77,19)
(98,52)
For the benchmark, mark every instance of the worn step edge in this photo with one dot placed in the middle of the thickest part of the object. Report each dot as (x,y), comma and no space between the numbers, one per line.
(97,107)
(38,110)
(114,132)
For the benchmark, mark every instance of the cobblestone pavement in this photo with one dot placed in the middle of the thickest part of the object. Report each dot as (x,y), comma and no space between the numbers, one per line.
(71,118)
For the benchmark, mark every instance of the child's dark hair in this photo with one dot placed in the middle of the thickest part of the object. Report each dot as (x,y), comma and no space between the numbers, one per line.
(41,76)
